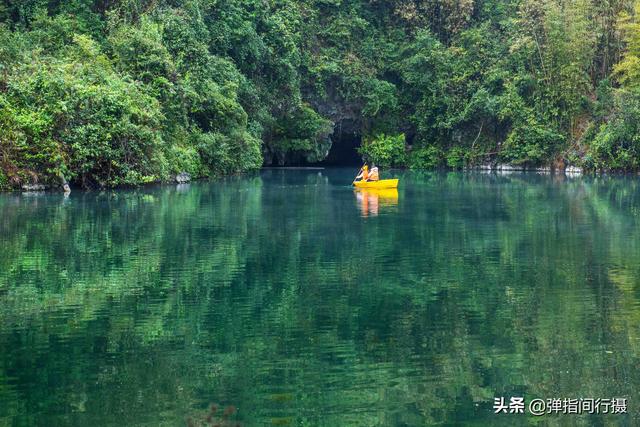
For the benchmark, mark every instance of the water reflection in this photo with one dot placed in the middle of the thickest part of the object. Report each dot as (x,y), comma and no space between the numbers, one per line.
(371,200)
(270,293)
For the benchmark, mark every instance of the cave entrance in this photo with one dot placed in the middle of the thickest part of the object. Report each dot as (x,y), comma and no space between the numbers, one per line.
(344,148)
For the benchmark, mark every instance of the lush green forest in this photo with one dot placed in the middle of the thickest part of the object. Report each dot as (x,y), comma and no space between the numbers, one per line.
(118,92)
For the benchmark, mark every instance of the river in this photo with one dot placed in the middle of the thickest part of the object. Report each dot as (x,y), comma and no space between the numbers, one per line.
(292,299)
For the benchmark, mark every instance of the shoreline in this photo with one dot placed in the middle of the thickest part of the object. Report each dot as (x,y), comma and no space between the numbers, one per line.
(31,189)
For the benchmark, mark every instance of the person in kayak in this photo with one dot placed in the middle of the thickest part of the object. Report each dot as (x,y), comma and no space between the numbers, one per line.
(374,175)
(364,174)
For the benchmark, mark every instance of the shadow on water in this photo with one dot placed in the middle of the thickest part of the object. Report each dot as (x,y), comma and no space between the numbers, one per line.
(273,293)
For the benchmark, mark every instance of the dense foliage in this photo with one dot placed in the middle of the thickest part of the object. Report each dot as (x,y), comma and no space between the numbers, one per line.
(106,93)
(384,150)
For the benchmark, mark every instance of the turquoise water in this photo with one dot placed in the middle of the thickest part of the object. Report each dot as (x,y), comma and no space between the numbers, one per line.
(301,302)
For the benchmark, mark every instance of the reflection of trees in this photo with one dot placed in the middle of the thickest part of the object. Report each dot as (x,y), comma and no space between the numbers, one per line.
(258,291)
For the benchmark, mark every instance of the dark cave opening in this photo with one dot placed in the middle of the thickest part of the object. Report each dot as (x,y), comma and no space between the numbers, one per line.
(345,141)
(344,148)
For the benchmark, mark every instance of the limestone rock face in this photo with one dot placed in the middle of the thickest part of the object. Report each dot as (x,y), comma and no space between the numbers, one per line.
(65,186)
(573,170)
(34,187)
(183,177)
(509,168)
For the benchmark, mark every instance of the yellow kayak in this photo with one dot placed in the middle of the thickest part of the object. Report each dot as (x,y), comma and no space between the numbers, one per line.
(383,183)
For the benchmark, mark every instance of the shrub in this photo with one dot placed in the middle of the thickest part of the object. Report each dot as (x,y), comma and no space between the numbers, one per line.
(616,145)
(77,118)
(384,150)
(456,158)
(185,158)
(531,142)
(302,131)
(4,181)
(428,157)
(233,153)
